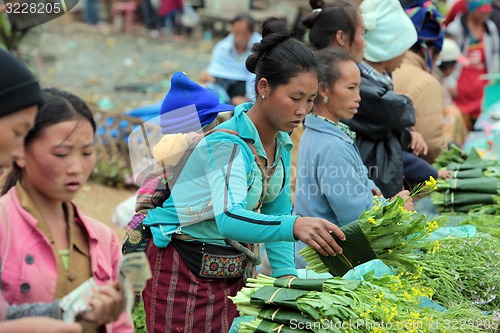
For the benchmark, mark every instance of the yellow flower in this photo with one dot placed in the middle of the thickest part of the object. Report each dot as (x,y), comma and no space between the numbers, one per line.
(372,220)
(432,226)
(378,330)
(436,246)
(389,251)
(407,295)
(431,183)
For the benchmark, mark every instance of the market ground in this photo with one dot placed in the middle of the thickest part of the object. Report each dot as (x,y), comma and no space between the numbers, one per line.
(114,72)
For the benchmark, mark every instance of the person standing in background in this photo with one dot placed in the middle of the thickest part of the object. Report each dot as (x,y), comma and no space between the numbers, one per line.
(91,10)
(384,118)
(332,181)
(170,12)
(479,40)
(338,24)
(414,77)
(455,130)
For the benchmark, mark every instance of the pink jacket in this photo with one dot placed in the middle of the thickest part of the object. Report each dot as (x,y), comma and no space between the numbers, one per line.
(31,265)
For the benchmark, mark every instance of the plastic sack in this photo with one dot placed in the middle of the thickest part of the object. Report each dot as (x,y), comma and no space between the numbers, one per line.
(235,326)
(464,231)
(375,265)
(189,18)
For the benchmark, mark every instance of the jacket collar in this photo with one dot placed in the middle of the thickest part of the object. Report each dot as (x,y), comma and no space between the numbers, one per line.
(75,238)
(320,125)
(98,258)
(242,124)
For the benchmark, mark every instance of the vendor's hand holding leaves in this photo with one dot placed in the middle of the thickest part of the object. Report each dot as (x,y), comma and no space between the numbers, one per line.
(316,232)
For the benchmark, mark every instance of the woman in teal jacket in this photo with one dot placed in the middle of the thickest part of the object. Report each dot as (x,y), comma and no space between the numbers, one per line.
(235,188)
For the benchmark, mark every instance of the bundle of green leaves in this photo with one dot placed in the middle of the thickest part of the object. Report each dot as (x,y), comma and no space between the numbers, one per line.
(474,184)
(454,154)
(464,195)
(384,229)
(375,304)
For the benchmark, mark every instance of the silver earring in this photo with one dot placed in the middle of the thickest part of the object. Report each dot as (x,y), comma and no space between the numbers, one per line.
(263,96)
(325,99)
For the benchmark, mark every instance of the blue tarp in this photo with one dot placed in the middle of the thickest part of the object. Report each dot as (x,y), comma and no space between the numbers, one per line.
(145,113)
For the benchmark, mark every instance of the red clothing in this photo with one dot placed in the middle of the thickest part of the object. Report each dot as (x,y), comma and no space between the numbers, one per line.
(459,7)
(176,300)
(168,6)
(470,86)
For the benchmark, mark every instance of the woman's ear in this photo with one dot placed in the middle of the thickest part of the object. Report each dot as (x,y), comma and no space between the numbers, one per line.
(263,88)
(20,162)
(340,38)
(18,156)
(322,90)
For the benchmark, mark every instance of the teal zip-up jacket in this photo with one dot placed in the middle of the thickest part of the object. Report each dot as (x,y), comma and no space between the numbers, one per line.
(219,188)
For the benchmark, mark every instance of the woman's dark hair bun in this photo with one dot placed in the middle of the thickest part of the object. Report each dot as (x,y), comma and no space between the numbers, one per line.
(309,20)
(274,32)
(317,4)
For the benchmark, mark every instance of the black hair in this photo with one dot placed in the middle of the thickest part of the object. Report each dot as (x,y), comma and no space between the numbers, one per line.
(278,57)
(324,22)
(444,65)
(328,65)
(58,106)
(250,21)
(418,49)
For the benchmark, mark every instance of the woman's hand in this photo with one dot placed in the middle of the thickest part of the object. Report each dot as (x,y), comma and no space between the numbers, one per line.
(316,233)
(443,173)
(405,195)
(39,325)
(418,145)
(376,191)
(107,304)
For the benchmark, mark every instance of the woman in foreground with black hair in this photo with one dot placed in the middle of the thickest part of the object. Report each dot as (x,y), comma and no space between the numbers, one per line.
(236,188)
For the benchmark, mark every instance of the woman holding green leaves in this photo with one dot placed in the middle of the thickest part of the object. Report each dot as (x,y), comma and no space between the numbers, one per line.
(332,181)
(236,188)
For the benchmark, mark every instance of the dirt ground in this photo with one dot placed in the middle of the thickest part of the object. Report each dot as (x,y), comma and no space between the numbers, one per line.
(99,202)
(113,72)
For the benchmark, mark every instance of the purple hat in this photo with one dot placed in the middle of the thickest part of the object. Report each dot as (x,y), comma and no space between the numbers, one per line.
(188,107)
(428,22)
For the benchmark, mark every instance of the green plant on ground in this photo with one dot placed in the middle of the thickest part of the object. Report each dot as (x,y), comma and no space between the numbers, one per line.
(139,318)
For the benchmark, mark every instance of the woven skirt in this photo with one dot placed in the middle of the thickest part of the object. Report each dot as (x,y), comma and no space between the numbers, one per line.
(175,300)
